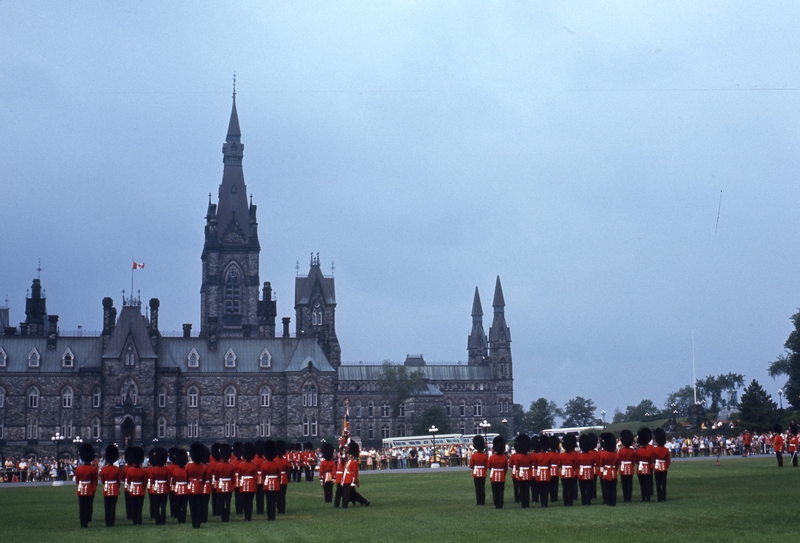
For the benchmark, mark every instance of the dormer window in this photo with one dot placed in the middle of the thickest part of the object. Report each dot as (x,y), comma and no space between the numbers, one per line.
(130,356)
(68,359)
(230,359)
(265,360)
(34,358)
(193,360)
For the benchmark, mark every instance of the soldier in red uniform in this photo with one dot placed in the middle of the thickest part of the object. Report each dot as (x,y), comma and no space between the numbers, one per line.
(477,464)
(285,466)
(257,460)
(135,482)
(225,476)
(350,481)
(793,445)
(644,463)
(236,460)
(309,460)
(777,444)
(543,468)
(534,455)
(128,514)
(86,479)
(609,466)
(586,467)
(627,459)
(498,466)
(568,462)
(524,469)
(197,474)
(555,453)
(512,463)
(248,475)
(208,484)
(170,465)
(158,478)
(661,461)
(212,470)
(593,442)
(327,472)
(179,482)
(111,479)
(341,458)
(271,474)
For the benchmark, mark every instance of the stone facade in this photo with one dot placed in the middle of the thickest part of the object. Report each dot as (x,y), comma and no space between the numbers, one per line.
(241,378)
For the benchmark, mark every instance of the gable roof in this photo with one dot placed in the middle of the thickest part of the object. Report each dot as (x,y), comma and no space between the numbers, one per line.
(131,323)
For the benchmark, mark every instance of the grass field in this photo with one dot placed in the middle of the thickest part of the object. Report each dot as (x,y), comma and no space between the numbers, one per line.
(741,500)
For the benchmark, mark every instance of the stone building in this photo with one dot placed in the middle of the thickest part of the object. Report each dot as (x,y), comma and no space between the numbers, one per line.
(240,377)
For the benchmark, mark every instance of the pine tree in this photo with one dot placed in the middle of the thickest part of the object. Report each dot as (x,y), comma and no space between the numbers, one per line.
(758,410)
(788,364)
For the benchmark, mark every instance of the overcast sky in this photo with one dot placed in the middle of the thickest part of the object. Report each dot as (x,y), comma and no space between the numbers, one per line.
(577,150)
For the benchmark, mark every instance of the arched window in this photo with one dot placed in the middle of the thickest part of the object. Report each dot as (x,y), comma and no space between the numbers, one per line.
(401,430)
(3,358)
(67,428)
(370,410)
(129,392)
(66,398)
(384,431)
(230,397)
(462,408)
(358,408)
(370,432)
(265,394)
(448,408)
(477,409)
(33,427)
(230,359)
(96,397)
(34,358)
(192,430)
(33,399)
(96,428)
(130,356)
(313,425)
(462,428)
(232,293)
(401,410)
(306,426)
(68,359)
(358,429)
(162,427)
(316,314)
(310,394)
(265,359)
(264,428)
(193,394)
(162,396)
(385,409)
(193,359)
(230,428)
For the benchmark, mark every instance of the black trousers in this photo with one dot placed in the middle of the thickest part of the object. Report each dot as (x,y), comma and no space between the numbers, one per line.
(351,495)
(85,505)
(247,504)
(214,503)
(224,505)
(570,490)
(237,500)
(534,490)
(327,491)
(282,500)
(137,503)
(498,494)
(158,507)
(173,509)
(110,504)
(309,474)
(609,491)
(480,490)
(259,500)
(661,486)
(544,492)
(646,485)
(128,509)
(204,507)
(195,505)
(627,488)
(515,483)
(780,458)
(586,492)
(180,508)
(593,487)
(524,494)
(272,498)
(554,489)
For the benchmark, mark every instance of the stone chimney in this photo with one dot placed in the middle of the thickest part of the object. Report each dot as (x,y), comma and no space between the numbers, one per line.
(187,329)
(286,321)
(52,335)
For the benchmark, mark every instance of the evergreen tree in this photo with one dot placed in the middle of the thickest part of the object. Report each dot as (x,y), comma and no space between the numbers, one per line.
(757,409)
(541,416)
(433,416)
(788,364)
(579,412)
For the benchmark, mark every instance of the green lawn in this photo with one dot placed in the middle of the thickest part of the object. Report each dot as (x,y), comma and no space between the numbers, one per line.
(741,500)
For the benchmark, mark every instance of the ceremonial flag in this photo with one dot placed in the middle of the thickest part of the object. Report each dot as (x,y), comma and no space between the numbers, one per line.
(138,266)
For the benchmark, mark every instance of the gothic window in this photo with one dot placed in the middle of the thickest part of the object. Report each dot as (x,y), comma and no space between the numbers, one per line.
(192,430)
(130,356)
(230,359)
(306,426)
(3,358)
(358,430)
(370,410)
(2,398)
(401,430)
(230,428)
(34,358)
(401,410)
(384,409)
(384,431)
(476,429)
(265,394)
(129,392)
(96,396)
(232,293)
(33,428)
(265,360)
(462,429)
(33,399)
(462,408)
(370,432)
(310,395)
(316,314)
(448,408)
(192,394)
(66,398)
(264,428)
(162,396)
(230,397)
(68,359)
(477,409)
(193,360)
(96,428)
(313,425)
(358,408)
(66,428)
(162,427)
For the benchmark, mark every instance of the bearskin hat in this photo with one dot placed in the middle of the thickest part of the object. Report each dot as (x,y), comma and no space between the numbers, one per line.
(215,451)
(608,442)
(499,445)
(777,428)
(159,455)
(206,455)
(181,457)
(128,455)
(327,451)
(171,452)
(585,443)
(86,453)
(237,449)
(197,452)
(660,436)
(112,454)
(352,449)
(134,456)
(570,442)
(249,451)
(536,444)
(478,443)
(593,440)
(151,457)
(309,446)
(270,450)
(224,452)
(555,443)
(280,447)
(626,437)
(259,447)
(522,444)
(645,436)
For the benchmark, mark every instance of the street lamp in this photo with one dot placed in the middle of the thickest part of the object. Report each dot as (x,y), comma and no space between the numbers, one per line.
(58,439)
(603,414)
(674,407)
(780,397)
(485,425)
(647,418)
(433,429)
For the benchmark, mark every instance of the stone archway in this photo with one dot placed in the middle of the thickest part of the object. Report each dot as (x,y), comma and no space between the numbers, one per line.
(128,431)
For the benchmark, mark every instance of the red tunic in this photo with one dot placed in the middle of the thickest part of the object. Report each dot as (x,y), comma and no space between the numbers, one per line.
(609,464)
(477,463)
(197,474)
(644,459)
(110,478)
(159,479)
(554,463)
(225,475)
(661,459)
(248,473)
(179,482)
(271,473)
(525,467)
(777,443)
(339,471)
(86,478)
(284,465)
(586,466)
(542,462)
(135,480)
(512,463)
(327,468)
(627,457)
(350,476)
(498,466)
(569,465)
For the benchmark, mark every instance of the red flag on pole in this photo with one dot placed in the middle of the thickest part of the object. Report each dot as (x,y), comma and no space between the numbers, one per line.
(138,266)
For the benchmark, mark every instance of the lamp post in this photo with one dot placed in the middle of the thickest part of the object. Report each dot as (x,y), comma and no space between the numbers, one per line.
(780,397)
(58,439)
(674,407)
(647,419)
(603,414)
(485,425)
(433,429)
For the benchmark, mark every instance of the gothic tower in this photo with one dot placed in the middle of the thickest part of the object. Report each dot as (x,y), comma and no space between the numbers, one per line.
(229,292)
(315,307)
(477,347)
(500,337)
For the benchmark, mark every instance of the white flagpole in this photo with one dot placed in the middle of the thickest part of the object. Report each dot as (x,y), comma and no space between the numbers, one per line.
(694,372)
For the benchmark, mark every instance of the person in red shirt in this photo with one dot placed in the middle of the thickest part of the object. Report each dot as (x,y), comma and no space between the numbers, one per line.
(158,484)
(792,445)
(661,461)
(179,482)
(86,479)
(555,445)
(309,460)
(524,469)
(498,466)
(586,467)
(257,460)
(747,441)
(541,458)
(110,478)
(271,475)
(135,482)
(225,475)
(340,462)
(609,464)
(196,473)
(593,442)
(124,474)
(171,465)
(477,463)
(777,444)
(327,472)
(644,463)
(568,462)
(350,478)
(512,463)
(208,485)
(248,476)
(627,459)
(286,467)
(236,461)
(212,470)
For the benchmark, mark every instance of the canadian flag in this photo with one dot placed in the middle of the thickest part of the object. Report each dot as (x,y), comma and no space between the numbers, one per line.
(138,266)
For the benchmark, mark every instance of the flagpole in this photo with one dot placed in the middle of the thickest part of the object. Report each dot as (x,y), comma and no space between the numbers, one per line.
(133,268)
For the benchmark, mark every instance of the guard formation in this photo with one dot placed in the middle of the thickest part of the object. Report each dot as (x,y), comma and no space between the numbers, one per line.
(539,462)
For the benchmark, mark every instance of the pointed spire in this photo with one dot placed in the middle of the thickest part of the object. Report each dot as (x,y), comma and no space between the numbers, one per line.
(477,310)
(499,332)
(499,302)
(233,125)
(476,342)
